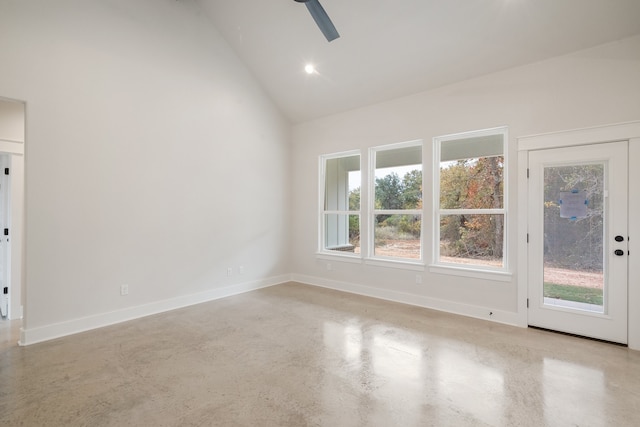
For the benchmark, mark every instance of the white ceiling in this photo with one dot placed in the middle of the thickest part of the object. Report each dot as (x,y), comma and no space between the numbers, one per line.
(392,48)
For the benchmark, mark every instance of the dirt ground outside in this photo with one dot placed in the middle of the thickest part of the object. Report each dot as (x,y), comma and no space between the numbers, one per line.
(411,249)
(585,279)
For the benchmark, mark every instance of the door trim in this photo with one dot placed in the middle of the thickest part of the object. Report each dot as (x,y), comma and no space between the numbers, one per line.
(629,131)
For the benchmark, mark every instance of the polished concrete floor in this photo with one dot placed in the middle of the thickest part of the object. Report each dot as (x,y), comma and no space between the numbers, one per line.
(294,355)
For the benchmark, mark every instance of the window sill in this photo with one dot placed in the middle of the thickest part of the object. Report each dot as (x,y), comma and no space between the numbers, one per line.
(377,262)
(476,273)
(394,263)
(339,256)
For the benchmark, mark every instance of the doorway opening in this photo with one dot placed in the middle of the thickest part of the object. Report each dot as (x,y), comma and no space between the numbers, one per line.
(12,141)
(576,211)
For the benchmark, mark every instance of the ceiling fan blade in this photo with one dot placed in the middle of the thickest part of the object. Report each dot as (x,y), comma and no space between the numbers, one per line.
(322,19)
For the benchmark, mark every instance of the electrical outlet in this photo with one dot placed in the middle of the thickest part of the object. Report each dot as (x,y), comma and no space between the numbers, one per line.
(124,290)
(230,271)
(418,279)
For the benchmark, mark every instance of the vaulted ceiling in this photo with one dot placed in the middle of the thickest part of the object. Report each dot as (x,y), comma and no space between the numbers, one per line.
(392,48)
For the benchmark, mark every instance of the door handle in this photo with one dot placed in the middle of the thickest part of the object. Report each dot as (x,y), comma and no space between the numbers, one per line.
(618,252)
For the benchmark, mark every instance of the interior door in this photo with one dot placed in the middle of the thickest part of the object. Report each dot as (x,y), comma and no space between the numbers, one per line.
(578,241)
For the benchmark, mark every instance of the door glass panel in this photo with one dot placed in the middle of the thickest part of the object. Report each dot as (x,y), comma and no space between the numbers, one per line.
(573,237)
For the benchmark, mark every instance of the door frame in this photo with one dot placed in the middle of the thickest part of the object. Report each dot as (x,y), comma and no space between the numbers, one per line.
(609,133)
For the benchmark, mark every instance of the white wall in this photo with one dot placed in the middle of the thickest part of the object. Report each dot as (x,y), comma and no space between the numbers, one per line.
(11,121)
(588,88)
(153,159)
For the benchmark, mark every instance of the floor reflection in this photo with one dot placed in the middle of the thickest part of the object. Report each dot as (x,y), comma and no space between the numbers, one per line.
(469,384)
(569,384)
(408,377)
(345,339)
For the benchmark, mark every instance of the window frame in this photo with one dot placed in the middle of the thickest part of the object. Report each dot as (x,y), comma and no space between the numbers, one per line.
(323,212)
(372,212)
(470,270)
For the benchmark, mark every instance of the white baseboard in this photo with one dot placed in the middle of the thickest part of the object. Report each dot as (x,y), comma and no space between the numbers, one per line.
(74,326)
(478,312)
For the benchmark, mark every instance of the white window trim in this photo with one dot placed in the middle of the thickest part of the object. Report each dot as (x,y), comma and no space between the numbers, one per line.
(384,261)
(473,270)
(339,256)
(477,272)
(400,263)
(322,212)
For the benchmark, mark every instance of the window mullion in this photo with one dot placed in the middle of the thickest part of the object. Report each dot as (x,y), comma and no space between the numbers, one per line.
(472,211)
(397,212)
(341,212)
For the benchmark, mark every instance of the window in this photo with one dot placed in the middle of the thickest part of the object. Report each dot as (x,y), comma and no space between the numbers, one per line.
(470,200)
(396,211)
(340,217)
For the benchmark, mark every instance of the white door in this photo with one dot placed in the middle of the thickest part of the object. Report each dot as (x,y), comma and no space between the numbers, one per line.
(578,241)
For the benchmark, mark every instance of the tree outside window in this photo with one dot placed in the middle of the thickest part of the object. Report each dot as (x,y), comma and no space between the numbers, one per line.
(397,201)
(470,205)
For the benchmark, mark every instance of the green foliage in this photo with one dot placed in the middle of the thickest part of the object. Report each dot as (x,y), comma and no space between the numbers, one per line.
(354,228)
(412,190)
(410,224)
(389,192)
(393,193)
(354,199)
(354,220)
(573,293)
(395,228)
(405,224)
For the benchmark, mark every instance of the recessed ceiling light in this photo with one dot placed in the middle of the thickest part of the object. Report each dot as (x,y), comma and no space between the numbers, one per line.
(310,69)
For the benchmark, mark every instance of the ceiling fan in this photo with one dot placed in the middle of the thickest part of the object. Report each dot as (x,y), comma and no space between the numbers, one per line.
(321,18)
